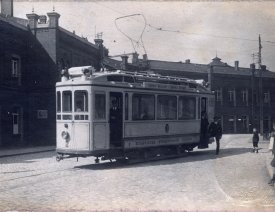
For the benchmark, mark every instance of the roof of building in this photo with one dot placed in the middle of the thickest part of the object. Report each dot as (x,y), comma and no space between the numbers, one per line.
(16,22)
(218,67)
(81,39)
(217,62)
(23,24)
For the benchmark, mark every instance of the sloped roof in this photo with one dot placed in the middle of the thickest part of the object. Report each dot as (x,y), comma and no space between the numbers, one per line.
(111,63)
(16,22)
(83,40)
(177,66)
(202,68)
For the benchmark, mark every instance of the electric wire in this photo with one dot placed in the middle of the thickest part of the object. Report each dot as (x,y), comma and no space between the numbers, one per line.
(140,39)
(190,33)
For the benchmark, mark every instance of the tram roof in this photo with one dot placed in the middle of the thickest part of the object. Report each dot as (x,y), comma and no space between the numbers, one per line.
(86,74)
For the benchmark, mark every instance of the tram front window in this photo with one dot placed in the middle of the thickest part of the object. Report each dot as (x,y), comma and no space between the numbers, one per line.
(66,105)
(58,105)
(80,105)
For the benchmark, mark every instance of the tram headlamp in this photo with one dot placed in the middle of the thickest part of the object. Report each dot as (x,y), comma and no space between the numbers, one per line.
(65,135)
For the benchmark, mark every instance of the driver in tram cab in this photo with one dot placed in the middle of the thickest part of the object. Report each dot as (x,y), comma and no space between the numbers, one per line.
(79,106)
(115,122)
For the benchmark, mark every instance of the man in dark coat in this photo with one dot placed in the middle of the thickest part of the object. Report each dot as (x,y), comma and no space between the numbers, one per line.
(115,123)
(215,130)
(204,131)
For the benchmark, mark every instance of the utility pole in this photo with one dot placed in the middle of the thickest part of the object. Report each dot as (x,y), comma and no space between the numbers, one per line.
(260,86)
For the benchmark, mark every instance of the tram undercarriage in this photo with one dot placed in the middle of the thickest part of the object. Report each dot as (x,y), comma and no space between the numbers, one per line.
(135,155)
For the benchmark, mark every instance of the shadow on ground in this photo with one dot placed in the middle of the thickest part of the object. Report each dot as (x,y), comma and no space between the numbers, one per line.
(201,155)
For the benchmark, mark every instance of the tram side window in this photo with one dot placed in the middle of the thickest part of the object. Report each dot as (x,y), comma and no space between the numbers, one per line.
(81,101)
(143,107)
(187,108)
(100,106)
(167,107)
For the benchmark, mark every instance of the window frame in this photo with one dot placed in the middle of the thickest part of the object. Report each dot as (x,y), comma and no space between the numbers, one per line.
(158,107)
(194,111)
(71,101)
(96,117)
(139,114)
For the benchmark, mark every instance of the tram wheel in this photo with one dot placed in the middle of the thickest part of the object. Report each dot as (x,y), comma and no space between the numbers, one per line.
(97,160)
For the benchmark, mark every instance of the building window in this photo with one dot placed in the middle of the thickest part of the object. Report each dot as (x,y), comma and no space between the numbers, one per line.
(218,95)
(42,114)
(231,96)
(15,67)
(266,97)
(244,96)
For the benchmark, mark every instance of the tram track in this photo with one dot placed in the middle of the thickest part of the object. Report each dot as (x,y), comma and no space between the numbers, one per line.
(32,182)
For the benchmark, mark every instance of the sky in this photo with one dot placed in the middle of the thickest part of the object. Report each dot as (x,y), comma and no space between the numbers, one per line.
(171,30)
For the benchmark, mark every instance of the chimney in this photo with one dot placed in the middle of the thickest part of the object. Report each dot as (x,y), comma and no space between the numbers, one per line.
(236,65)
(135,58)
(33,19)
(98,42)
(187,61)
(263,67)
(124,62)
(42,19)
(103,52)
(7,7)
(252,67)
(145,62)
(53,19)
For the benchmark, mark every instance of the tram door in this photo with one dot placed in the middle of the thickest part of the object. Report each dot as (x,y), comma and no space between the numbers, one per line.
(116,108)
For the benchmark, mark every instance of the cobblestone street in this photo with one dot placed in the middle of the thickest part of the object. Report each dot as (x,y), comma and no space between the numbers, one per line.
(236,180)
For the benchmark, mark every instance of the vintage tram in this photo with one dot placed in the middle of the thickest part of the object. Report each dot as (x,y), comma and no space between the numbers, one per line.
(127,115)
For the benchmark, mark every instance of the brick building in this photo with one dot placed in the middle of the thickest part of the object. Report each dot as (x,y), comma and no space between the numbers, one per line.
(33,51)
(237,89)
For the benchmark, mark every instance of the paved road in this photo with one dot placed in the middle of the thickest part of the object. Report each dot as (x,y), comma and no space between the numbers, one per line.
(235,180)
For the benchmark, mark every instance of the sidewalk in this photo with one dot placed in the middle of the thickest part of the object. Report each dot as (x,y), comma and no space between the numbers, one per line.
(24,150)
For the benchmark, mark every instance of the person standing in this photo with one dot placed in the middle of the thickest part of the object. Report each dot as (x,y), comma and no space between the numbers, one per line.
(215,130)
(115,123)
(204,131)
(255,140)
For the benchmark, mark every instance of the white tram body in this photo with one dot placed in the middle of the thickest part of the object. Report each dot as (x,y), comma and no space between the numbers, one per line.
(152,113)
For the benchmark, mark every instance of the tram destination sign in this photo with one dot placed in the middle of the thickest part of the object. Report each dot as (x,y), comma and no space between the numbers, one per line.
(134,143)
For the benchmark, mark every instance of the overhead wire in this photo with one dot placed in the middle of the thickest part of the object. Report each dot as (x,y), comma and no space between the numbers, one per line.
(190,33)
(140,38)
